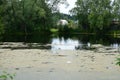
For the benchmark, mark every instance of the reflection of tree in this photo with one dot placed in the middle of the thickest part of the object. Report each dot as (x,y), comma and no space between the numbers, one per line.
(96,39)
(39,38)
(46,38)
(34,38)
(1,37)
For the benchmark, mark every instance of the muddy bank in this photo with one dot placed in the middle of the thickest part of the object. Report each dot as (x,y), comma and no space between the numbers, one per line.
(37,64)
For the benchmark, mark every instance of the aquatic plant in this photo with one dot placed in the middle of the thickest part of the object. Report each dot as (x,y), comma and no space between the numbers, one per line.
(7,76)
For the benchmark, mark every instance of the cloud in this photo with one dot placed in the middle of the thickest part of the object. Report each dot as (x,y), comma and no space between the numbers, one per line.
(64,9)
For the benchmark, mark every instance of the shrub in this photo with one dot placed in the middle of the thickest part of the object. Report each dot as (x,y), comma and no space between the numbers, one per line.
(7,76)
(118,61)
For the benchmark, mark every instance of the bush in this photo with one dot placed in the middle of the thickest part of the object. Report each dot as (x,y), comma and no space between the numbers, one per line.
(7,76)
(118,61)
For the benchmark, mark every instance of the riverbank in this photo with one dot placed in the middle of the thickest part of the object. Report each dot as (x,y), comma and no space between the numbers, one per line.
(37,64)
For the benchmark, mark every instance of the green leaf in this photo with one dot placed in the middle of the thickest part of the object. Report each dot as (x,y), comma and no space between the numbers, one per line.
(3,76)
(118,61)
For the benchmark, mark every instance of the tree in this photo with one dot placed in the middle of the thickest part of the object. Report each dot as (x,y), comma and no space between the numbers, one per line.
(100,15)
(1,19)
(81,10)
(27,15)
(116,10)
(54,4)
(94,15)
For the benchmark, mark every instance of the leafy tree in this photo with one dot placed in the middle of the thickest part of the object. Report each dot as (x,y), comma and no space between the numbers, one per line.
(27,15)
(94,15)
(100,15)
(116,10)
(81,10)
(1,27)
(1,20)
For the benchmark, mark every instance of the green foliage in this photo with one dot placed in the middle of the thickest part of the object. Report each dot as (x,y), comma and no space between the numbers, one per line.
(96,15)
(118,61)
(27,15)
(116,9)
(1,21)
(1,27)
(7,76)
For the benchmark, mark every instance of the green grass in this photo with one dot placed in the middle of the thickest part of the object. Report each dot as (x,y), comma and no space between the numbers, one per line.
(53,30)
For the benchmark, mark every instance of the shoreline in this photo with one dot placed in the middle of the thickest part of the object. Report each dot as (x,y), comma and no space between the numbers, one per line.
(83,59)
(36,64)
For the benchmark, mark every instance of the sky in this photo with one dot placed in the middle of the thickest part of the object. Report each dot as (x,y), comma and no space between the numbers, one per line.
(65,10)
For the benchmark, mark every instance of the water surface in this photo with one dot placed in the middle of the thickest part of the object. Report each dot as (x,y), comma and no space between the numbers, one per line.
(64,42)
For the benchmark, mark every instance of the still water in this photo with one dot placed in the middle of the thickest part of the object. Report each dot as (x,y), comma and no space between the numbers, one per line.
(69,44)
(64,42)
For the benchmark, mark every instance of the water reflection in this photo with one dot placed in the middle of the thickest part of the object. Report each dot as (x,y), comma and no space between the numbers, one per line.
(83,42)
(69,44)
(115,45)
(64,42)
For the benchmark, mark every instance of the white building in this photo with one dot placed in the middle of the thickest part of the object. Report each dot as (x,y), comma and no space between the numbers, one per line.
(62,22)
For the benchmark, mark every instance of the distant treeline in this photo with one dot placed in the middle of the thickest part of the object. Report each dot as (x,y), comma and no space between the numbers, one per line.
(29,16)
